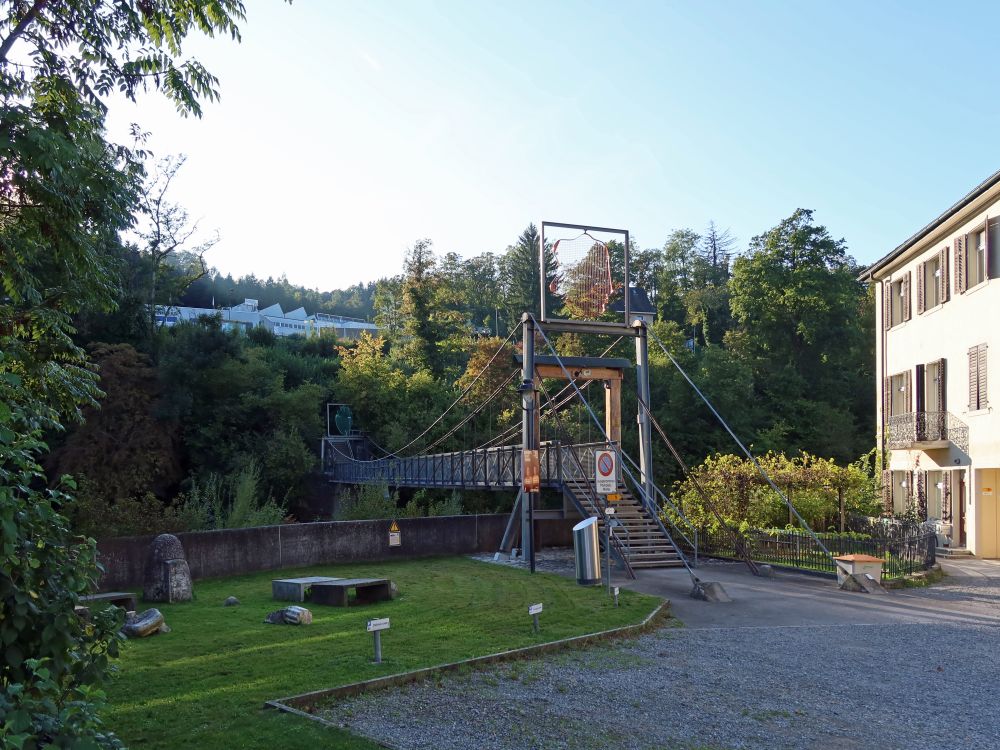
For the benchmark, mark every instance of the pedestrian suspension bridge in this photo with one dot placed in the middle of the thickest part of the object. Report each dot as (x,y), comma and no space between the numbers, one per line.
(540,454)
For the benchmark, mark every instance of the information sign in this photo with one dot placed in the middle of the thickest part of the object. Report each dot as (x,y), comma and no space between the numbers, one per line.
(535,609)
(395,538)
(380,624)
(605,472)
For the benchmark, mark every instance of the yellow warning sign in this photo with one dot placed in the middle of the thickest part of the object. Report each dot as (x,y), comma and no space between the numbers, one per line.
(395,538)
(394,527)
(614,497)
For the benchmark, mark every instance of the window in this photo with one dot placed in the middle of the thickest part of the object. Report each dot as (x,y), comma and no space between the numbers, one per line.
(932,281)
(896,394)
(977,378)
(902,491)
(896,301)
(934,484)
(977,255)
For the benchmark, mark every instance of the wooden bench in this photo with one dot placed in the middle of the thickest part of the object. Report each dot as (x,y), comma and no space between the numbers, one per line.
(366,591)
(124,599)
(294,589)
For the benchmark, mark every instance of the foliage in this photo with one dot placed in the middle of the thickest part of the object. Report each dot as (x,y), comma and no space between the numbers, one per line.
(744,499)
(65,194)
(368,502)
(230,502)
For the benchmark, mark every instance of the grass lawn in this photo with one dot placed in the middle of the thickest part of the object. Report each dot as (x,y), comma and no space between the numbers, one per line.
(203,685)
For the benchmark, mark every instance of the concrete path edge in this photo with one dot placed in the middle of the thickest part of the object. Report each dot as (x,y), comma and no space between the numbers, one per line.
(299,704)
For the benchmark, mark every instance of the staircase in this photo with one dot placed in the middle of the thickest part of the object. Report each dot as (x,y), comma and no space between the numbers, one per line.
(642,540)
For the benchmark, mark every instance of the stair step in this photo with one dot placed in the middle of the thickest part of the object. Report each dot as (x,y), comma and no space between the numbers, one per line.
(952,552)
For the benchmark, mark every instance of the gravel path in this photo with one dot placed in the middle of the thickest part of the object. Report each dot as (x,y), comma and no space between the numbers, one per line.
(910,686)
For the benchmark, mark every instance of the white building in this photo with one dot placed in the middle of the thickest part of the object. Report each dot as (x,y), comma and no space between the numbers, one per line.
(938,309)
(247,315)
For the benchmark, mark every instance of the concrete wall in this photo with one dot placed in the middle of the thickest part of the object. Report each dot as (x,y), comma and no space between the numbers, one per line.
(227,552)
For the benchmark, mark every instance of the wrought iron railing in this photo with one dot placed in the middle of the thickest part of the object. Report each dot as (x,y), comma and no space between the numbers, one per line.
(902,555)
(904,430)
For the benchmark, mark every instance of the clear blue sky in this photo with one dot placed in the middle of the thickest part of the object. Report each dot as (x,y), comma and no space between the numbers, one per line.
(346,131)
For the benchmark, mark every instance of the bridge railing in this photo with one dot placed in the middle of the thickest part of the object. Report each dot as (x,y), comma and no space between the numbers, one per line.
(485,468)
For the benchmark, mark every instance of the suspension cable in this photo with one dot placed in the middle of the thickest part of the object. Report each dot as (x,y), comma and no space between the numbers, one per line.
(745,450)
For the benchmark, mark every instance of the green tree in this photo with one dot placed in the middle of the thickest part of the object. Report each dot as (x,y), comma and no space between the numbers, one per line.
(799,313)
(65,195)
(521,278)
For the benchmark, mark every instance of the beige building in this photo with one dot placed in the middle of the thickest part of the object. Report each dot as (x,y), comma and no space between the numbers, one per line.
(937,339)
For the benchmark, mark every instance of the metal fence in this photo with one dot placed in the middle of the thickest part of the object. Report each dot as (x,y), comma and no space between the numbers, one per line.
(903,554)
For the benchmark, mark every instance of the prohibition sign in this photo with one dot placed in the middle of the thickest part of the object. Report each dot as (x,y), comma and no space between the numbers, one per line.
(605,464)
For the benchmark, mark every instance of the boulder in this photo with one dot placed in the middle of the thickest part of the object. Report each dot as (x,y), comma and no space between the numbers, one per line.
(167,577)
(231,601)
(141,626)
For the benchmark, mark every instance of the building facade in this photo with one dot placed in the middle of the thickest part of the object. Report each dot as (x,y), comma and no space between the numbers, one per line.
(937,339)
(247,315)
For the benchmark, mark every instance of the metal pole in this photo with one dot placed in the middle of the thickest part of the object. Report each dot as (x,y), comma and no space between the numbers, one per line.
(378,646)
(628,319)
(529,433)
(607,542)
(542,281)
(645,435)
(535,620)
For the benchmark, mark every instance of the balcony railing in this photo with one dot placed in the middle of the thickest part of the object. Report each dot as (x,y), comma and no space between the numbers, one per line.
(917,429)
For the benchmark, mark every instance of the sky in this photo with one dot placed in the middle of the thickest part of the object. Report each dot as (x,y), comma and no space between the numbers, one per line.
(347,131)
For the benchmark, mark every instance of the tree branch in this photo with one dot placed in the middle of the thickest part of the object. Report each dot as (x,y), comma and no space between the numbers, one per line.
(21,26)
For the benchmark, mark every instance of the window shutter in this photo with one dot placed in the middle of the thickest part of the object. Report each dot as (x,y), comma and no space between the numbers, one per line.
(981,372)
(960,265)
(906,295)
(921,283)
(887,490)
(941,391)
(946,498)
(921,490)
(908,388)
(887,304)
(943,280)
(886,398)
(986,253)
(973,378)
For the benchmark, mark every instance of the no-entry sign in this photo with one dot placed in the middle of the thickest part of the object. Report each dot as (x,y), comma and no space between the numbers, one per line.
(605,472)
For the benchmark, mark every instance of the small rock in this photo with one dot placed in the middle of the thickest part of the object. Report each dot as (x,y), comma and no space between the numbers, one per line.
(231,601)
(290,616)
(146,624)
(298,616)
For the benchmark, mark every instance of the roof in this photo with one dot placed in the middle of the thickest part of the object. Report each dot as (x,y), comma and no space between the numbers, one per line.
(977,191)
(860,558)
(638,302)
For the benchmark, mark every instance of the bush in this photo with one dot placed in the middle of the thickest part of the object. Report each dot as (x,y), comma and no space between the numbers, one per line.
(369,502)
(232,502)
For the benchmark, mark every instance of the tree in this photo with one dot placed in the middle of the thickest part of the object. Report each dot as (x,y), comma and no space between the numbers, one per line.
(169,237)
(799,310)
(520,272)
(418,290)
(65,195)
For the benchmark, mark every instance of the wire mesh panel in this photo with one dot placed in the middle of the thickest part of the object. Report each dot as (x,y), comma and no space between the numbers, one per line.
(584,272)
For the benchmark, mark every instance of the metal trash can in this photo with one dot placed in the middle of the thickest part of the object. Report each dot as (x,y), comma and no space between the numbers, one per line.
(587,551)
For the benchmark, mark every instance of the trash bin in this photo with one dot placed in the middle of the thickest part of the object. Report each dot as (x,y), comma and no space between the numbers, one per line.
(587,552)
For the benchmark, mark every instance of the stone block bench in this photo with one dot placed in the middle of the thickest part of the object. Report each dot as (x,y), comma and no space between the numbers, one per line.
(124,599)
(367,591)
(294,589)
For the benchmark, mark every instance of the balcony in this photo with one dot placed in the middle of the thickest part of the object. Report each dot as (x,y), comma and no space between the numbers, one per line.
(926,430)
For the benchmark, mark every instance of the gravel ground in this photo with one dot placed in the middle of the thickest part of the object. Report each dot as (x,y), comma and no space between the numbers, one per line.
(907,686)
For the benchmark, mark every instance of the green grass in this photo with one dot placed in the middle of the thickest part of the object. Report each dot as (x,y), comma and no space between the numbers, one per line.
(203,684)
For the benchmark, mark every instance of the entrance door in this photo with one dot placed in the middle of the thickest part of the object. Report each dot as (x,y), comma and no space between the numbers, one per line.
(988,519)
(961,509)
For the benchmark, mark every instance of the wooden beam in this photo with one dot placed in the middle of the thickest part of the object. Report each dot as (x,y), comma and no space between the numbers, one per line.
(592,373)
(613,411)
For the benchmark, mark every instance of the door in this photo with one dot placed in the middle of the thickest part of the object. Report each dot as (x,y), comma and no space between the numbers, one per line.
(988,519)
(961,509)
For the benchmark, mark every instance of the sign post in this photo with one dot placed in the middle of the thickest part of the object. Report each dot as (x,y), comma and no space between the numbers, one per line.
(534,610)
(609,514)
(375,627)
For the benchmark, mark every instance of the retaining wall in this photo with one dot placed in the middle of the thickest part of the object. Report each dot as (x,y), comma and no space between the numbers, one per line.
(227,552)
